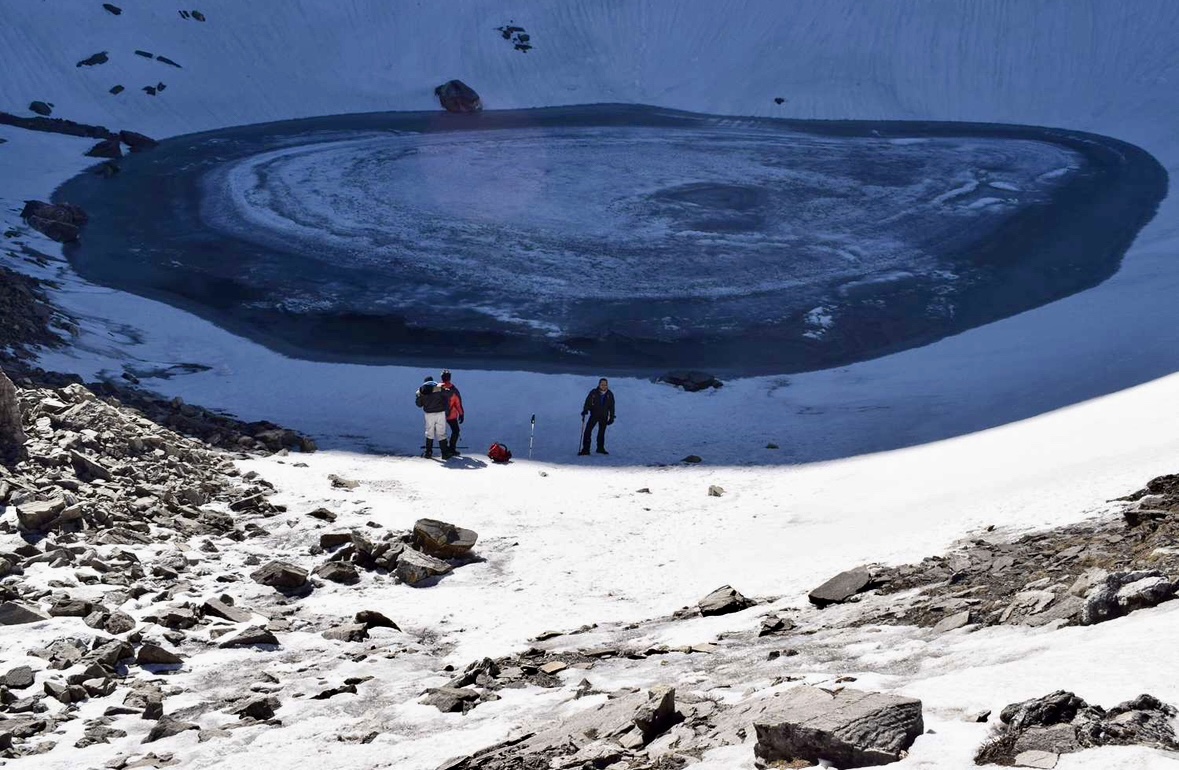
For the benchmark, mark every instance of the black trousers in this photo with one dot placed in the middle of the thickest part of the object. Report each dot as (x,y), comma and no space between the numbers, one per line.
(454,432)
(589,428)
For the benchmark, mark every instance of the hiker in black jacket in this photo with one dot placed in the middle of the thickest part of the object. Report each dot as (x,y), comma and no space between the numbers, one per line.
(434,402)
(599,405)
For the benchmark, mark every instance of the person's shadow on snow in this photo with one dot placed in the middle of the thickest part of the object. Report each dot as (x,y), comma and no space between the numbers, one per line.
(463,463)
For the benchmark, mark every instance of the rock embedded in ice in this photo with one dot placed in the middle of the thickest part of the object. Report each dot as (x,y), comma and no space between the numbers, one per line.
(723,601)
(254,636)
(953,622)
(849,728)
(842,587)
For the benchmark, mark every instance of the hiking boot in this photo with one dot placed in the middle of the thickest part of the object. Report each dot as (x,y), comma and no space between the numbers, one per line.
(583,452)
(454,452)
(601,451)
(429,453)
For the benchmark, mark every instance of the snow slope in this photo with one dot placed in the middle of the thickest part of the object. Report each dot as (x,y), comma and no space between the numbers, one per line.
(1097,65)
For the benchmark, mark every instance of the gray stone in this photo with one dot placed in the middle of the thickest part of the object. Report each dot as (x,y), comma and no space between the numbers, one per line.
(260,708)
(12,434)
(338,572)
(222,609)
(415,568)
(155,655)
(15,614)
(715,491)
(722,601)
(18,678)
(167,727)
(39,514)
(348,632)
(253,636)
(657,714)
(280,575)
(442,540)
(452,699)
(841,587)
(849,728)
(1058,739)
(953,622)
(1040,759)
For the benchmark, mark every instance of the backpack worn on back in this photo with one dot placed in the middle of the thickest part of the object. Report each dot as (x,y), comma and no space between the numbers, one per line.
(499,453)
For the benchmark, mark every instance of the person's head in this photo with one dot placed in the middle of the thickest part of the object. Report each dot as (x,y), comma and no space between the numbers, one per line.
(446,375)
(429,378)
(603,385)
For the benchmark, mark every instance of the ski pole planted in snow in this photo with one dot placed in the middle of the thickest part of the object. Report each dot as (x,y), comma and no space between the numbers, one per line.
(530,436)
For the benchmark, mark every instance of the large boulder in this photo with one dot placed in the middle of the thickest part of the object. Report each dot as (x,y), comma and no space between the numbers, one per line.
(457,96)
(39,514)
(12,434)
(842,587)
(848,728)
(442,540)
(15,614)
(41,108)
(62,222)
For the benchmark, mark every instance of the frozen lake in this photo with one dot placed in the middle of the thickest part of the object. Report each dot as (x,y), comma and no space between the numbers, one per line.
(613,237)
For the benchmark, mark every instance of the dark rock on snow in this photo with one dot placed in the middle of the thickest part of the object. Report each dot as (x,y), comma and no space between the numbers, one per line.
(414,568)
(98,58)
(692,382)
(722,601)
(457,96)
(62,222)
(841,587)
(41,108)
(280,575)
(107,148)
(137,142)
(116,10)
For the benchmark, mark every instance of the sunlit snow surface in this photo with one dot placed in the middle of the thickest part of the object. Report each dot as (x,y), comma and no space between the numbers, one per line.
(609,235)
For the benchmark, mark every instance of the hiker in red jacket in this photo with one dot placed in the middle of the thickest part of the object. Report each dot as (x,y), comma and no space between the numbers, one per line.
(454,414)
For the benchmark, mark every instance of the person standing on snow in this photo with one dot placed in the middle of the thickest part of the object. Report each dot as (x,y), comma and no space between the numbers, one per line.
(454,412)
(434,402)
(599,405)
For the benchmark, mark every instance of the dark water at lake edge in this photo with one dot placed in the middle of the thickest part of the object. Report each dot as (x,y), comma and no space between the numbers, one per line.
(148,215)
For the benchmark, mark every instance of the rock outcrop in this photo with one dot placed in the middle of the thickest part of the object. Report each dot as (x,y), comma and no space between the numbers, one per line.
(1041,729)
(692,382)
(442,540)
(12,433)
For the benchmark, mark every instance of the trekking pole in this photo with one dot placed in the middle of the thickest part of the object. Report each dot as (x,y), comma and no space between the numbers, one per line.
(581,433)
(530,437)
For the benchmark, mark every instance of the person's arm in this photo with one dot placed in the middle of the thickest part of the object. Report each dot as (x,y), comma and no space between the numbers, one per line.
(586,406)
(610,406)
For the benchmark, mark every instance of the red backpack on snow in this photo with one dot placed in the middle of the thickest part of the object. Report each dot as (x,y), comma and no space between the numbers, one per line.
(499,453)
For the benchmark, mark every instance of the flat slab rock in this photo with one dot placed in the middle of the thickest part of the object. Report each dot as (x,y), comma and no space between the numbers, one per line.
(722,601)
(848,728)
(840,588)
